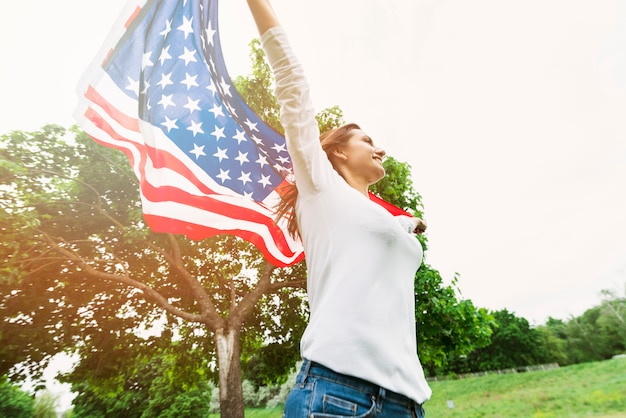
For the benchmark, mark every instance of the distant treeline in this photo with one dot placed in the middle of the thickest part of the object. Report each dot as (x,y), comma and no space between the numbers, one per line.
(598,334)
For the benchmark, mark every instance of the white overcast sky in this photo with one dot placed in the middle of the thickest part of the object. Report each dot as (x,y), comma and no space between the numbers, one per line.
(511,113)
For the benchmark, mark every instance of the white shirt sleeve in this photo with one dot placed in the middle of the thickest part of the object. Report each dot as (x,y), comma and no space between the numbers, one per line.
(312,169)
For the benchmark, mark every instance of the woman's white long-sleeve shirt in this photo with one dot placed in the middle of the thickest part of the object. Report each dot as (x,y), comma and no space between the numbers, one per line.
(361,261)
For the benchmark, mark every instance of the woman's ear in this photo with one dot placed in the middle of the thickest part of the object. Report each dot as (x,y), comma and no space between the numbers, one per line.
(339,154)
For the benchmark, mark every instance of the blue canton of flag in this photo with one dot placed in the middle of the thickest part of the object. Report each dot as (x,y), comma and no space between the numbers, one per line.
(207,164)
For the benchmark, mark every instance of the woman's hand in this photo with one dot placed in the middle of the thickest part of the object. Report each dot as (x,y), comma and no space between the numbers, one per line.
(420,226)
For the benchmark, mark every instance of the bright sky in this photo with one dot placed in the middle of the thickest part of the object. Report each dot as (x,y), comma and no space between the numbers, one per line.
(512,115)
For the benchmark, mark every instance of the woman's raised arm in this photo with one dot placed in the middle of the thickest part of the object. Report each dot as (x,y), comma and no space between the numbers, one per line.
(263,14)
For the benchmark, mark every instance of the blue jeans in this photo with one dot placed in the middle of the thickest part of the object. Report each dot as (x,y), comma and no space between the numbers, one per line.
(322,393)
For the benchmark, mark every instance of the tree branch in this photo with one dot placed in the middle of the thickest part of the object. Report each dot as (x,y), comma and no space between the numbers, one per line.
(221,280)
(247,303)
(175,260)
(149,293)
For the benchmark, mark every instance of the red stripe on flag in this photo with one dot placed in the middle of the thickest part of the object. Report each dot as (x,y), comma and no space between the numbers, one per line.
(169,193)
(132,17)
(102,124)
(394,210)
(120,117)
(176,226)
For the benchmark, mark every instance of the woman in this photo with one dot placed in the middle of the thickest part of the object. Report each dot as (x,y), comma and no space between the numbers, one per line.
(359,348)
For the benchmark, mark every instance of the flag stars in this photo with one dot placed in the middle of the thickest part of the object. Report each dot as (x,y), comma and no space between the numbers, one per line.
(218,133)
(240,137)
(190,81)
(244,178)
(146,86)
(262,161)
(133,85)
(168,28)
(242,158)
(186,26)
(170,124)
(265,181)
(211,88)
(210,65)
(166,80)
(217,110)
(165,55)
(196,128)
(210,33)
(189,56)
(192,105)
(225,88)
(166,101)
(251,125)
(279,148)
(221,154)
(223,175)
(145,60)
(197,150)
(279,168)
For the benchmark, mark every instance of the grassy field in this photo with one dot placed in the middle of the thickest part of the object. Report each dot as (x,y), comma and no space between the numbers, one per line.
(584,390)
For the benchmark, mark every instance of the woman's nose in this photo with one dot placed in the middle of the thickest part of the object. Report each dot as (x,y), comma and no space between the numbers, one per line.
(381,152)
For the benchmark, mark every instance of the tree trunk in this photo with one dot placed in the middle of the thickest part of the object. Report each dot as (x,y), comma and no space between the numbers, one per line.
(229,368)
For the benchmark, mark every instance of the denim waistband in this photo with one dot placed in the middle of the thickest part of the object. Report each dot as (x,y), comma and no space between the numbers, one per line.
(311,368)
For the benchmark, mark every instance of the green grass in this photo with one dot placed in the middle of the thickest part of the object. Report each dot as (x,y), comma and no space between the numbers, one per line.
(584,390)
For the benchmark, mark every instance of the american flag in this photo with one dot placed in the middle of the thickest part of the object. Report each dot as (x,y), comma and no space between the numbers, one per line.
(207,164)
(159,91)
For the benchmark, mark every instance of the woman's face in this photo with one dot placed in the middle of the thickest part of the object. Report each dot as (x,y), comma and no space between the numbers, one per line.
(362,158)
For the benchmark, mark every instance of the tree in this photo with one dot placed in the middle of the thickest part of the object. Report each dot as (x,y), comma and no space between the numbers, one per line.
(513,344)
(598,334)
(83,272)
(448,328)
(554,346)
(14,402)
(613,320)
